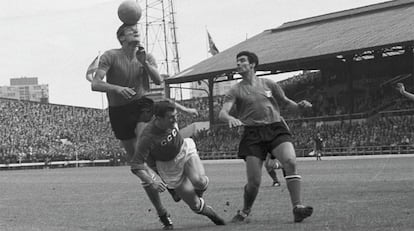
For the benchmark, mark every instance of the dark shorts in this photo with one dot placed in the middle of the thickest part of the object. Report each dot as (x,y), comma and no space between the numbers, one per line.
(260,140)
(318,152)
(124,118)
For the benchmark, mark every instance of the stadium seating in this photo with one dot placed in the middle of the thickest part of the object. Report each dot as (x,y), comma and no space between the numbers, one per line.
(35,132)
(380,117)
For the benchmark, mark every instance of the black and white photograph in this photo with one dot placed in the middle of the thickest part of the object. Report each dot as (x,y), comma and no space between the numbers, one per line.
(142,115)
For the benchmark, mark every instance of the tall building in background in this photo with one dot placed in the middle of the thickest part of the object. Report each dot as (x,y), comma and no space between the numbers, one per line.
(26,88)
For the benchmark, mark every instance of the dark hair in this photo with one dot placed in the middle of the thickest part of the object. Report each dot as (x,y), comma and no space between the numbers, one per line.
(144,104)
(252,57)
(161,108)
(121,30)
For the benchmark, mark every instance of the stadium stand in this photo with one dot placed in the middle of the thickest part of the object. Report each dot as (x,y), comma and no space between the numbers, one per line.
(356,109)
(35,132)
(49,133)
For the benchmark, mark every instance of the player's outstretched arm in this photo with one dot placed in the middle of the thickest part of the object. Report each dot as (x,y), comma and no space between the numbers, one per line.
(225,116)
(401,89)
(290,103)
(142,172)
(299,105)
(188,110)
(139,164)
(98,84)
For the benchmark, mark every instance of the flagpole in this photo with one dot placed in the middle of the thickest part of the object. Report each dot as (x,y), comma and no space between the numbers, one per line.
(207,44)
(99,56)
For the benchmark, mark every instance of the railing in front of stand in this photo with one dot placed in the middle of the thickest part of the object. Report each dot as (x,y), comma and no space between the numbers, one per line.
(339,151)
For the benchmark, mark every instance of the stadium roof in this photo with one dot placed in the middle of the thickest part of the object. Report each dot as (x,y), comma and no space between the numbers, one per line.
(299,44)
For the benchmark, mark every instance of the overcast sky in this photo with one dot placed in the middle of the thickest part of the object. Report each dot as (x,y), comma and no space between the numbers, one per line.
(55,40)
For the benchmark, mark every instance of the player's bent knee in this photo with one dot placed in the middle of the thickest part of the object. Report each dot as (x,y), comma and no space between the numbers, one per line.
(290,166)
(201,182)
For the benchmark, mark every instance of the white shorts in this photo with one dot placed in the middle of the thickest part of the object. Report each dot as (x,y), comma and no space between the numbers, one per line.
(172,172)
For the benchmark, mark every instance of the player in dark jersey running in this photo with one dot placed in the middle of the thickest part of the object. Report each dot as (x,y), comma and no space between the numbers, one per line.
(265,132)
(175,158)
(128,70)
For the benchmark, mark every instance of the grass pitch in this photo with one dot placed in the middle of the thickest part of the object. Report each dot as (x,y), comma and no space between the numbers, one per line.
(347,194)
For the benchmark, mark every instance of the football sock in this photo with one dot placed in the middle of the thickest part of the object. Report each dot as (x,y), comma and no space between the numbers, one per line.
(272,174)
(293,183)
(249,198)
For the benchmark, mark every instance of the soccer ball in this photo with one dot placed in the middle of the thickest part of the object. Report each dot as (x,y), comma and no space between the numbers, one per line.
(129,12)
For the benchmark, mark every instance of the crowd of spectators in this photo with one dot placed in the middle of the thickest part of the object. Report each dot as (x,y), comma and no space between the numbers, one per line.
(330,98)
(33,132)
(379,131)
(36,132)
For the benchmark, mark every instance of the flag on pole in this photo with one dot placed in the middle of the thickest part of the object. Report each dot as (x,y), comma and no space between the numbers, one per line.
(212,47)
(90,72)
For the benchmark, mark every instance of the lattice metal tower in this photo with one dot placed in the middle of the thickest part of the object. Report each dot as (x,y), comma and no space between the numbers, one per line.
(159,34)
